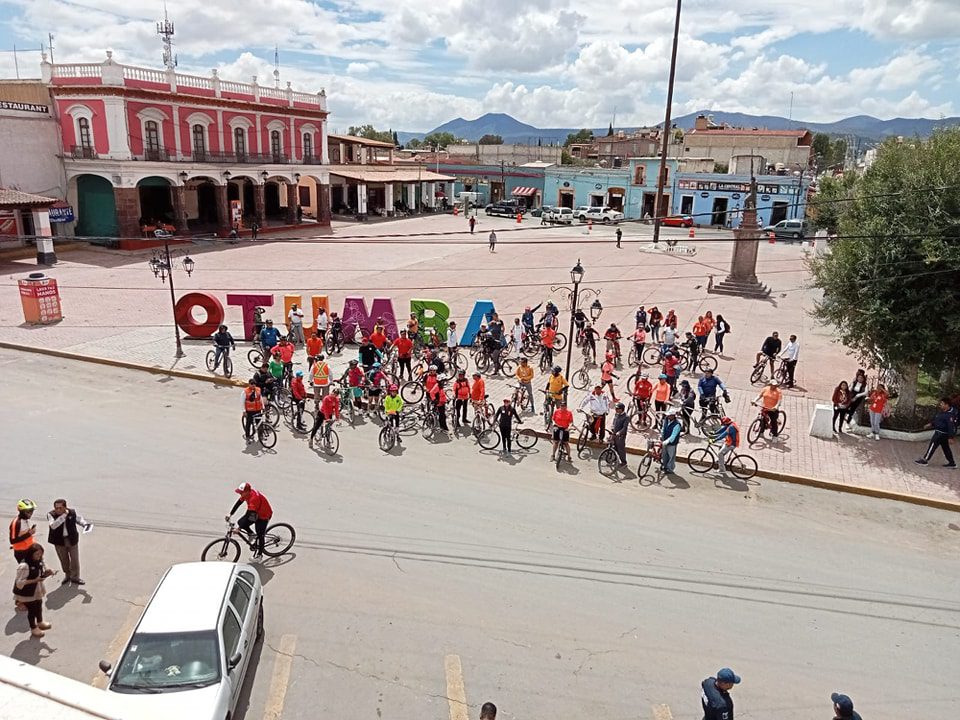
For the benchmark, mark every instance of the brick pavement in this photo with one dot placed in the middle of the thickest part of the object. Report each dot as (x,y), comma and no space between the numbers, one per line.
(115,308)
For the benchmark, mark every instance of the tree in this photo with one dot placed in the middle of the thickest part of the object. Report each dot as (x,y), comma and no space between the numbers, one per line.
(441,139)
(610,131)
(838,153)
(833,194)
(491,140)
(370,133)
(821,149)
(396,140)
(581,136)
(890,280)
(721,168)
(414,143)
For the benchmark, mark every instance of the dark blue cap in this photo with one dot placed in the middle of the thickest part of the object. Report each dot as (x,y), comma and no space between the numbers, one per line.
(844,704)
(728,676)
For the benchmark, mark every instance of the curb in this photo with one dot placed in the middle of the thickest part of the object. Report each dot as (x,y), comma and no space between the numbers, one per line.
(861,490)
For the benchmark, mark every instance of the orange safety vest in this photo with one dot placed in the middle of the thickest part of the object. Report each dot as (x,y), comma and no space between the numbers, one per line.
(252,402)
(21,545)
(321,374)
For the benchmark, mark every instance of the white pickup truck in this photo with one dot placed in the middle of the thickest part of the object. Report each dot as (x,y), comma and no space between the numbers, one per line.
(558,215)
(600,213)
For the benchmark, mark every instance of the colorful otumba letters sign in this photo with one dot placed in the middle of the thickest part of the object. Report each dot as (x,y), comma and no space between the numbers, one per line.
(430,313)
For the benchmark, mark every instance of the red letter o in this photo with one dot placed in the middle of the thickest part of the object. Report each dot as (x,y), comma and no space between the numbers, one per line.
(183,312)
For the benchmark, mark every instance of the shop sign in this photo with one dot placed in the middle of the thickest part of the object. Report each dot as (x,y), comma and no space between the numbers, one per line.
(61,213)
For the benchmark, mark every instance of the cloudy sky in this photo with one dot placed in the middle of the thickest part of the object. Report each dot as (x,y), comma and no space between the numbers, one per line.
(413,64)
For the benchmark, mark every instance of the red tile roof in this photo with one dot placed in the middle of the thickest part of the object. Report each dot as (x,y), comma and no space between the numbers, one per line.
(16,198)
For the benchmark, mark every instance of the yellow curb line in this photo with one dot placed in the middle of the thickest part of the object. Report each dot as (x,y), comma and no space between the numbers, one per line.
(782,477)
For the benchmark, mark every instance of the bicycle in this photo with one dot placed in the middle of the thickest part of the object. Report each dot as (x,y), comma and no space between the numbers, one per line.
(483,413)
(705,362)
(329,439)
(654,354)
(290,416)
(549,405)
(263,431)
(707,425)
(654,454)
(759,373)
(581,378)
(490,438)
(563,453)
(762,422)
(546,359)
(256,355)
(613,346)
(640,417)
(520,398)
(333,342)
(277,541)
(609,461)
(591,426)
(501,366)
(703,460)
(213,363)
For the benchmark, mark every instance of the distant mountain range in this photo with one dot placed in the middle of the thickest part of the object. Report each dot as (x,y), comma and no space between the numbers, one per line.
(862,127)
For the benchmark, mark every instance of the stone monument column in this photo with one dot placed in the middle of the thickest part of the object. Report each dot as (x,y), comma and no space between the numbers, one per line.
(742,279)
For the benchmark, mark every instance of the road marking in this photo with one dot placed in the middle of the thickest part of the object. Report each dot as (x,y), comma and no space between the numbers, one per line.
(456,693)
(281,678)
(112,653)
(662,712)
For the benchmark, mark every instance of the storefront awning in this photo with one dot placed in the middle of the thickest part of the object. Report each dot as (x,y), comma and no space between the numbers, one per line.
(524,191)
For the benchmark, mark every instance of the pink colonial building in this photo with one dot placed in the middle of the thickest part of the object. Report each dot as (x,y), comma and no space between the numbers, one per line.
(144,147)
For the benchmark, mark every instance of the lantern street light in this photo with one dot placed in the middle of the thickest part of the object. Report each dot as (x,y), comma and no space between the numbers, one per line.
(161,265)
(574,296)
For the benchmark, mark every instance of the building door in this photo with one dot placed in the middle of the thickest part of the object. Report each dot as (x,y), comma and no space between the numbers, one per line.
(496,192)
(779,212)
(649,200)
(565,199)
(96,208)
(719,213)
(686,205)
(596,200)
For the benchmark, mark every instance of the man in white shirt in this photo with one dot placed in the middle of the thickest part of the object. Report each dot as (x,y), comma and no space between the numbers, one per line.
(516,335)
(453,342)
(597,405)
(322,321)
(791,353)
(295,316)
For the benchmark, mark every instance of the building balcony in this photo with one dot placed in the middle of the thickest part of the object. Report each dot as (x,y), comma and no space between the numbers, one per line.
(83,152)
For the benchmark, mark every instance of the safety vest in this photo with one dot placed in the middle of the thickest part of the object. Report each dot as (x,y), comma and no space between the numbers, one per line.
(321,374)
(21,545)
(252,402)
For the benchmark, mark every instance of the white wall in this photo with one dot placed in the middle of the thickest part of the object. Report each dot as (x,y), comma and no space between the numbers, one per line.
(29,149)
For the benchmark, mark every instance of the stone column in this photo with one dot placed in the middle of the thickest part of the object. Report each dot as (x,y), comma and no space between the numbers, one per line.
(412,196)
(223,210)
(41,228)
(430,194)
(361,198)
(293,200)
(323,204)
(127,201)
(742,279)
(260,203)
(179,200)
(388,198)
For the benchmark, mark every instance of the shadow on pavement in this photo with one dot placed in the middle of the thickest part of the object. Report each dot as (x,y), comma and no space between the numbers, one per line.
(31,650)
(243,700)
(57,599)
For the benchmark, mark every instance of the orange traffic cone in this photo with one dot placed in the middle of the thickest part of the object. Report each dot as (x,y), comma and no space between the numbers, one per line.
(773,239)
(519,218)
(456,211)
(589,225)
(692,233)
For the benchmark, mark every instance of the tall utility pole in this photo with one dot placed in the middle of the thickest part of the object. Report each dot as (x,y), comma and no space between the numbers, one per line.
(667,135)
(50,45)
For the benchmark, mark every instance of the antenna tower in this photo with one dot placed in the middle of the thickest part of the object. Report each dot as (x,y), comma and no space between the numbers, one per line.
(276,66)
(165,30)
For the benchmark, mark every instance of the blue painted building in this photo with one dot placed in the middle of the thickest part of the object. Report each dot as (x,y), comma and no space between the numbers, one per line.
(715,199)
(496,182)
(571,187)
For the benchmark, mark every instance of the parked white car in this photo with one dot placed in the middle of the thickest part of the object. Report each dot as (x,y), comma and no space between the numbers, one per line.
(599,213)
(191,649)
(561,215)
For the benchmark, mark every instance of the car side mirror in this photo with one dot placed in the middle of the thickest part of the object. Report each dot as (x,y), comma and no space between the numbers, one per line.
(234,660)
(105,667)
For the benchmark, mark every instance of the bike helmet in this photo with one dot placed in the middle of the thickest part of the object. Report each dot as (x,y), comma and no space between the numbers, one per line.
(25,505)
(556,368)
(684,383)
(432,368)
(375,365)
(621,406)
(392,388)
(476,374)
(299,373)
(461,372)
(663,376)
(506,400)
(774,382)
(726,420)
(353,363)
(645,376)
(244,488)
(223,327)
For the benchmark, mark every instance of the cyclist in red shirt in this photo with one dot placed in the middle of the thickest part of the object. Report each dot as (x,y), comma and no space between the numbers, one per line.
(671,365)
(438,398)
(329,410)
(547,338)
(299,395)
(378,338)
(404,346)
(258,513)
(461,397)
(562,420)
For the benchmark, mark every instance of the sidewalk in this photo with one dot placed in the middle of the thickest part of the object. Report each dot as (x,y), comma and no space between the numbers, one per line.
(114,308)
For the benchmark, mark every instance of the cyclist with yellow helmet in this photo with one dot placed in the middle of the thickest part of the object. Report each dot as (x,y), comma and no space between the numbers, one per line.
(22,530)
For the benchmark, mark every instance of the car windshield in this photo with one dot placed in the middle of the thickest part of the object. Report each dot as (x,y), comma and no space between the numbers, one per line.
(155,662)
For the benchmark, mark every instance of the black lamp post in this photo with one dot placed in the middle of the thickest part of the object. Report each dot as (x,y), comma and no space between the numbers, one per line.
(161,265)
(574,297)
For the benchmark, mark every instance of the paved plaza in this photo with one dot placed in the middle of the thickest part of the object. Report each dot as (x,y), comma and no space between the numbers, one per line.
(115,308)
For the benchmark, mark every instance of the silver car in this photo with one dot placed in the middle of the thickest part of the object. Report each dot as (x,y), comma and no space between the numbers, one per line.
(191,649)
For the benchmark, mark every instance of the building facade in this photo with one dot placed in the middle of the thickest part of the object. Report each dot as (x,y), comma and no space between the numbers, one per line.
(497,182)
(716,200)
(742,148)
(511,154)
(144,147)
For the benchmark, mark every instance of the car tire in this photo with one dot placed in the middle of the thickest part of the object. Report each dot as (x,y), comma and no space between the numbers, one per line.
(796,236)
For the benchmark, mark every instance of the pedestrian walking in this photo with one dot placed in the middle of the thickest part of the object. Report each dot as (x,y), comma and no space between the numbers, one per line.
(670,437)
(723,327)
(488,711)
(254,229)
(858,393)
(505,416)
(878,408)
(843,707)
(295,317)
(472,222)
(841,402)
(715,695)
(493,241)
(621,422)
(22,530)
(64,525)
(28,589)
(944,426)
(790,355)
(619,237)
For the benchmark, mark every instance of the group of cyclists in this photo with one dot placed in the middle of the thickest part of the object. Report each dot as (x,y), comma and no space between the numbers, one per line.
(434,369)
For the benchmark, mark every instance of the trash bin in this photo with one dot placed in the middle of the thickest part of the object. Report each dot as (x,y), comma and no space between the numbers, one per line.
(40,299)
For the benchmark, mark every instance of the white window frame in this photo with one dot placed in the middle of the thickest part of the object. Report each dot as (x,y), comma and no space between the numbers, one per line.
(159,117)
(311,130)
(244,124)
(205,121)
(76,112)
(281,129)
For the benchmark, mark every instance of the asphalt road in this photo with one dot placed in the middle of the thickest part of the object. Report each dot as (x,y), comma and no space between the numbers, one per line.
(552,594)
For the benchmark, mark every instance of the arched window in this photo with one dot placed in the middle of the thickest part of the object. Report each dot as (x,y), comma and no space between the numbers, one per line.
(275,147)
(199,142)
(151,141)
(86,143)
(307,147)
(240,143)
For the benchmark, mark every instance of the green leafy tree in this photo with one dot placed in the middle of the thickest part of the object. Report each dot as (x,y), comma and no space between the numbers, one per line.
(370,133)
(581,136)
(721,168)
(821,148)
(441,139)
(838,152)
(491,140)
(833,195)
(396,140)
(414,143)
(610,130)
(890,279)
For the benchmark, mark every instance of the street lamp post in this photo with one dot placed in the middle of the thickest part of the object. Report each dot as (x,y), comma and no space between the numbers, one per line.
(162,266)
(574,297)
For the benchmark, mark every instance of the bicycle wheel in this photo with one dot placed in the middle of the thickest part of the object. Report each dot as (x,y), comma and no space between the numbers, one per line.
(583,452)
(479,424)
(526,439)
(429,426)
(412,392)
(644,476)
(271,414)
(509,367)
(279,539)
(531,348)
(560,342)
(608,462)
(483,363)
(255,358)
(701,460)
(387,439)
(632,358)
(651,356)
(707,363)
(743,467)
(227,366)
(225,549)
(757,374)
(488,439)
(330,442)
(753,432)
(211,357)
(283,399)
(581,379)
(781,422)
(710,425)
(460,361)
(544,364)
(267,435)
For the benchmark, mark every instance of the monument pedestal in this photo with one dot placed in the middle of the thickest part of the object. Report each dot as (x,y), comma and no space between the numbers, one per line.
(742,280)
